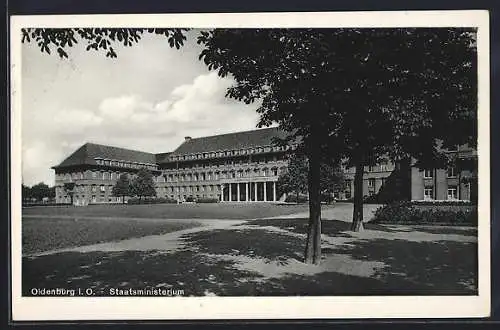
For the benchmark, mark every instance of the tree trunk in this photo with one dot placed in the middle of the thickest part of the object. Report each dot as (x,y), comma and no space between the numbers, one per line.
(123,199)
(313,244)
(297,197)
(357,216)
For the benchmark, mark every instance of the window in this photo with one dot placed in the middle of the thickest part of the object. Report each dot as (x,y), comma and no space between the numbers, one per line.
(428,193)
(371,183)
(103,188)
(94,188)
(452,172)
(93,199)
(383,167)
(370,168)
(452,192)
(428,174)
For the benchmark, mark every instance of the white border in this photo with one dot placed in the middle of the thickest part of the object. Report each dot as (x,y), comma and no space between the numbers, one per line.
(111,308)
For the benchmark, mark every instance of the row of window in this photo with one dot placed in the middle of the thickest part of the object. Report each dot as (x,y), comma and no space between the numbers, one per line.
(221,175)
(126,164)
(371,183)
(384,167)
(451,193)
(99,175)
(203,188)
(227,153)
(222,163)
(451,172)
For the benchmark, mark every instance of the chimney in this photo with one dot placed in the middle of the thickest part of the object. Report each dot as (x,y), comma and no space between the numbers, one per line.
(187,138)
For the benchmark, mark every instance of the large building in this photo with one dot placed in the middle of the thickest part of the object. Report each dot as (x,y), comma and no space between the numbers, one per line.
(235,167)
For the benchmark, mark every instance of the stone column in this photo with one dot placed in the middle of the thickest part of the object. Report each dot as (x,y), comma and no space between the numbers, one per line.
(230,192)
(221,192)
(255,190)
(274,191)
(265,191)
(246,191)
(238,192)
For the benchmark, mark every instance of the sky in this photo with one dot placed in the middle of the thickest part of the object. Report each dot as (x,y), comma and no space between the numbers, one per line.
(148,99)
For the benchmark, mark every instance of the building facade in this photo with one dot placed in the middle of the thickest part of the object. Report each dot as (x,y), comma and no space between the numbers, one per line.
(235,167)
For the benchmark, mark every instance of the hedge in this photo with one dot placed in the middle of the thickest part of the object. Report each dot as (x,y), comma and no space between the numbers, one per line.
(45,204)
(207,200)
(405,213)
(134,201)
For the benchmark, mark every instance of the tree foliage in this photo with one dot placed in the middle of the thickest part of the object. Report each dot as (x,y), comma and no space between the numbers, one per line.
(354,94)
(38,192)
(295,178)
(96,39)
(122,188)
(143,185)
(69,187)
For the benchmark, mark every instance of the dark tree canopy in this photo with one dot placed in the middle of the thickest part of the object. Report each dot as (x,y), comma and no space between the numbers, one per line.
(354,94)
(122,188)
(38,191)
(143,185)
(376,91)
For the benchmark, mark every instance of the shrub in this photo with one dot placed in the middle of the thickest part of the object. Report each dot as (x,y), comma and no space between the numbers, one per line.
(292,198)
(442,203)
(405,213)
(207,200)
(160,200)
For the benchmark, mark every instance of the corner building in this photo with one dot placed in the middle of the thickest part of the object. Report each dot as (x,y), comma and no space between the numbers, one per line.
(235,167)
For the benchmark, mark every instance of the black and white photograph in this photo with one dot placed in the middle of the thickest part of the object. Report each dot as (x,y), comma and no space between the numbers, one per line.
(250,165)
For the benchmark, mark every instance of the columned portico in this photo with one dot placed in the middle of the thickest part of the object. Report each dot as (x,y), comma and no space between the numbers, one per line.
(274,191)
(262,191)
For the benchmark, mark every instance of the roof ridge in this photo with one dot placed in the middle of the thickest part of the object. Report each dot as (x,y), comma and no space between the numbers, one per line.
(108,146)
(232,133)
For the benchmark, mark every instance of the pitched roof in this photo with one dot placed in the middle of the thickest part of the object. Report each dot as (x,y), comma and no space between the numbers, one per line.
(86,154)
(162,156)
(231,141)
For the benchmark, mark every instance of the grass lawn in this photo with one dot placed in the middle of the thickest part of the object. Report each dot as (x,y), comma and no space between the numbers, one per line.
(42,234)
(252,261)
(173,211)
(239,258)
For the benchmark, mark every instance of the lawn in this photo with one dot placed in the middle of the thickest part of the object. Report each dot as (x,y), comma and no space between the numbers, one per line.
(173,211)
(261,254)
(255,259)
(41,234)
